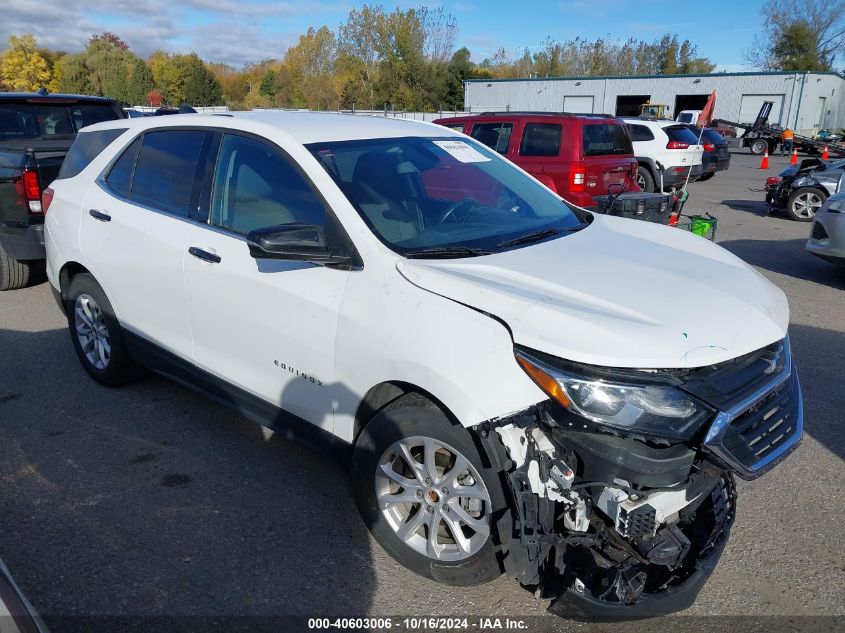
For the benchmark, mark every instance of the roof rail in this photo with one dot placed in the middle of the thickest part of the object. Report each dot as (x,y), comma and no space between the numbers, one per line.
(544,113)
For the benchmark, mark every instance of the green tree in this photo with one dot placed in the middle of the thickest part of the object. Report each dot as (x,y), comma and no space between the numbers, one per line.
(311,64)
(105,69)
(359,47)
(268,83)
(22,67)
(140,82)
(801,35)
(200,86)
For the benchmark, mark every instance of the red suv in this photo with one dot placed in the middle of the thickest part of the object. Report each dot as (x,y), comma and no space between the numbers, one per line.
(576,155)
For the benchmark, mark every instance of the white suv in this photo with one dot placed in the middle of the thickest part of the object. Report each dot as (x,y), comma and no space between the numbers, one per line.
(518,385)
(666,152)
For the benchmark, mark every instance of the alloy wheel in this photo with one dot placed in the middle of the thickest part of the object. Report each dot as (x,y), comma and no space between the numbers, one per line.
(641,182)
(806,204)
(433,498)
(92,331)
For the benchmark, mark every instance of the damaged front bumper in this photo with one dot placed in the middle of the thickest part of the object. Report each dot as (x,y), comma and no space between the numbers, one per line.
(616,549)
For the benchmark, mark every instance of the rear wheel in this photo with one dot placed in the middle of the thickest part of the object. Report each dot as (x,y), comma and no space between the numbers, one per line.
(645,181)
(96,334)
(13,274)
(803,203)
(425,495)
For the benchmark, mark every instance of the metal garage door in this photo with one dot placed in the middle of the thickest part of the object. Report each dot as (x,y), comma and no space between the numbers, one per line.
(751,104)
(578,105)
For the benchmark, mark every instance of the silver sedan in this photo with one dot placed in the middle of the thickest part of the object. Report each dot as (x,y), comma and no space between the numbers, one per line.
(827,239)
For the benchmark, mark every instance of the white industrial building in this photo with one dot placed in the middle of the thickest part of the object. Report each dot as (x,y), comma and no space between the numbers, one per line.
(806,102)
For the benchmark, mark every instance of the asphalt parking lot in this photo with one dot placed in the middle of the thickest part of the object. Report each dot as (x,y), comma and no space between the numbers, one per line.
(149,500)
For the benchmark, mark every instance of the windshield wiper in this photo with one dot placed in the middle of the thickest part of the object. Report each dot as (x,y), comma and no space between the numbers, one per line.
(536,236)
(447,252)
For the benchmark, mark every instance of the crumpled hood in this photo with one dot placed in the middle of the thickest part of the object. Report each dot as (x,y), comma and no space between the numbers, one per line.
(620,293)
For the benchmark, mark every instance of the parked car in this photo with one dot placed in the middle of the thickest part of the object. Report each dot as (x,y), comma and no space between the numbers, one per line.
(577,155)
(802,189)
(36,131)
(518,385)
(16,613)
(827,238)
(716,156)
(666,152)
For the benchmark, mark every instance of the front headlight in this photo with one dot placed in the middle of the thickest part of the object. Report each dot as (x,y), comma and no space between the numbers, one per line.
(651,409)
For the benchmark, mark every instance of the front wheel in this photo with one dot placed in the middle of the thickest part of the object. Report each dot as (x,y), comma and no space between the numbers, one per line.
(758,146)
(803,203)
(425,495)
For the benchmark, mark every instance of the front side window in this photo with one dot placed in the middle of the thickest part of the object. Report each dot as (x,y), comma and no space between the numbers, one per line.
(496,136)
(255,187)
(540,139)
(166,170)
(427,193)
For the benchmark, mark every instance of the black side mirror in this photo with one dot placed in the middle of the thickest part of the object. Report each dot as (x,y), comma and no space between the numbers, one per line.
(295,241)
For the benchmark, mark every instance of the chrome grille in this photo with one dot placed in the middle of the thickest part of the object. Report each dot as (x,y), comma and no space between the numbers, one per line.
(756,434)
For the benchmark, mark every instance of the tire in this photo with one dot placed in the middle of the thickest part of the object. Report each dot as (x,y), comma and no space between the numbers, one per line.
(645,180)
(13,274)
(410,420)
(707,176)
(104,356)
(803,203)
(758,146)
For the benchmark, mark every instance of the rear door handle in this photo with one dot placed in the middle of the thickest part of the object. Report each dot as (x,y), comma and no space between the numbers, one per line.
(99,215)
(204,255)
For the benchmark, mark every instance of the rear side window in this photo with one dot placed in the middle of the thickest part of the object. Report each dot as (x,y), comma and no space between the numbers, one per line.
(496,136)
(86,148)
(458,127)
(640,133)
(120,175)
(165,172)
(605,139)
(540,139)
(681,134)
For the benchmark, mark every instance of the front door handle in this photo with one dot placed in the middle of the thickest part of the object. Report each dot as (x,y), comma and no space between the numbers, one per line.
(204,255)
(99,215)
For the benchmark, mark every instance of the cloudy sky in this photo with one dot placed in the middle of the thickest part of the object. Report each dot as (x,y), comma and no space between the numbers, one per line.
(239,32)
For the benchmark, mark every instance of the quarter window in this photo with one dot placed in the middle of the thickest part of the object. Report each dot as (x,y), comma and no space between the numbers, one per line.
(120,176)
(496,136)
(166,170)
(640,133)
(540,139)
(255,187)
(86,148)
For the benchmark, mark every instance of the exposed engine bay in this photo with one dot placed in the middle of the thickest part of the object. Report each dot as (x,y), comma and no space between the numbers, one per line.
(603,522)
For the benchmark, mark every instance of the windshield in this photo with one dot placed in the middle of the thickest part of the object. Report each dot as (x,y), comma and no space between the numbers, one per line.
(419,194)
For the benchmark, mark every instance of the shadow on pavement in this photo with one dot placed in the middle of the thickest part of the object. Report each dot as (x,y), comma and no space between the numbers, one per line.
(787,257)
(148,501)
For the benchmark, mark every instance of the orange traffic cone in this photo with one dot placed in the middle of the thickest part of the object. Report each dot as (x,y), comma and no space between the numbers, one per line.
(825,155)
(764,164)
(793,160)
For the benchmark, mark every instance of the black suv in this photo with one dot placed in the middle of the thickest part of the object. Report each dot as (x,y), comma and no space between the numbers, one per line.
(36,132)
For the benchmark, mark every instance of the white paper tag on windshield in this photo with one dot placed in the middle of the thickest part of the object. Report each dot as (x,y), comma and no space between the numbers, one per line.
(462,152)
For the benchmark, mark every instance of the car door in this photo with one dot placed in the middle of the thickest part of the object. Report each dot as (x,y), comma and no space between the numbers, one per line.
(266,326)
(539,153)
(135,225)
